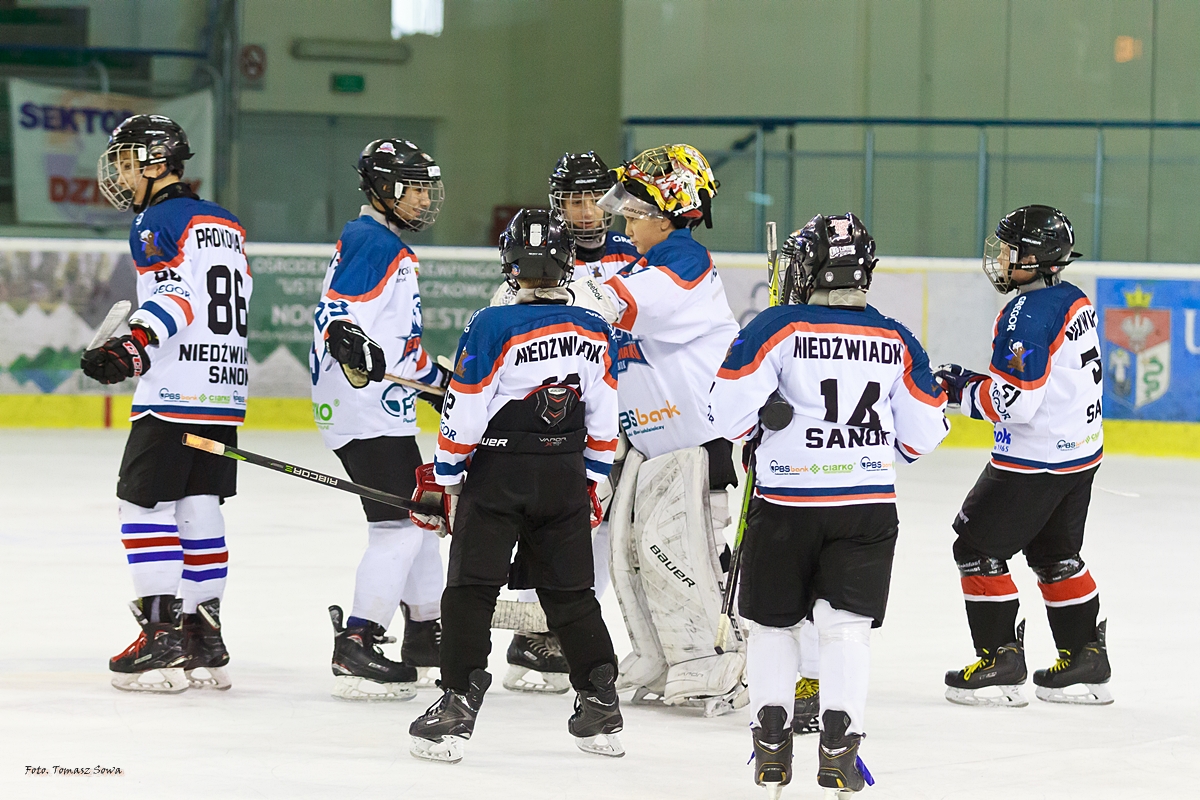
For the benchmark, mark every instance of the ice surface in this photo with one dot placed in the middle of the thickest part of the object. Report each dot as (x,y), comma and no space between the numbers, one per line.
(294,546)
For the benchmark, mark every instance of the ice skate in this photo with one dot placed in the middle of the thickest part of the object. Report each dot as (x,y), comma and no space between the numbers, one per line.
(361,670)
(536,664)
(205,649)
(421,647)
(772,750)
(808,706)
(597,718)
(840,771)
(1085,671)
(155,661)
(1001,673)
(441,732)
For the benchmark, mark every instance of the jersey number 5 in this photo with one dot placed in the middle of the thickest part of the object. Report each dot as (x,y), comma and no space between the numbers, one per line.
(226,306)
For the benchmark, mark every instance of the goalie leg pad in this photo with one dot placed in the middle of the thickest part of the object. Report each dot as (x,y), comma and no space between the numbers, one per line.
(645,667)
(681,573)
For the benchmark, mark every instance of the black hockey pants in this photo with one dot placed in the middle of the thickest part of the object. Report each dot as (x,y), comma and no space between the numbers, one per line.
(572,616)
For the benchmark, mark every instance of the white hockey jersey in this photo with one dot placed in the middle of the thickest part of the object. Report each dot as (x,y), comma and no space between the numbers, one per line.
(673,330)
(1044,387)
(861,392)
(372,282)
(193,288)
(507,353)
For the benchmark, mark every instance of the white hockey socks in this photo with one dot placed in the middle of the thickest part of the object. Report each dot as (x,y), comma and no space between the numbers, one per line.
(600,559)
(205,557)
(772,657)
(426,579)
(151,540)
(379,584)
(810,650)
(845,662)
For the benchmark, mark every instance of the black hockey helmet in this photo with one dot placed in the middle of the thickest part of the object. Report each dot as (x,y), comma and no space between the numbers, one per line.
(1039,231)
(577,183)
(827,253)
(138,142)
(388,167)
(537,244)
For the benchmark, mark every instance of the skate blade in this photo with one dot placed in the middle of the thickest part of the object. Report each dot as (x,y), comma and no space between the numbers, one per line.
(1009,697)
(1095,694)
(774,790)
(208,678)
(517,679)
(171,681)
(645,697)
(838,794)
(348,687)
(602,744)
(727,703)
(428,677)
(448,751)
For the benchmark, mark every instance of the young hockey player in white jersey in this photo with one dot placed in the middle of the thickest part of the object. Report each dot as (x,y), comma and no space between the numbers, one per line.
(536,663)
(1043,393)
(821,527)
(673,326)
(528,428)
(368,323)
(187,346)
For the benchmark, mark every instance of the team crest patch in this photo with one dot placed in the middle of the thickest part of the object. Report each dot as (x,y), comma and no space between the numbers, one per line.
(1017,353)
(461,369)
(150,247)
(1139,349)
(629,351)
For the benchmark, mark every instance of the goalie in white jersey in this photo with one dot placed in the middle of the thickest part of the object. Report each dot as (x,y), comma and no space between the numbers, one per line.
(1043,394)
(821,527)
(187,347)
(668,514)
(368,323)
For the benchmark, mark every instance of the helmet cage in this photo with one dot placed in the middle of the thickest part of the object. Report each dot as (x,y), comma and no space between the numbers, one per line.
(588,233)
(120,163)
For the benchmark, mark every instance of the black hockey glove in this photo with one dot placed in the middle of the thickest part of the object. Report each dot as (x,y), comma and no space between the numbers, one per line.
(955,380)
(119,358)
(361,358)
(434,399)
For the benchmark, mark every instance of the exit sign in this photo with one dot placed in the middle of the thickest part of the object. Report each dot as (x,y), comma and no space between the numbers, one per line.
(347,84)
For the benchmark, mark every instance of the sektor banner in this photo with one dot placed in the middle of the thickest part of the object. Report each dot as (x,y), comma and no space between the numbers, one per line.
(58,134)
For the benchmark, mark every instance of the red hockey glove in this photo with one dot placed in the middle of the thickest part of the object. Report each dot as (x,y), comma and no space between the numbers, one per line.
(428,491)
(597,512)
(119,358)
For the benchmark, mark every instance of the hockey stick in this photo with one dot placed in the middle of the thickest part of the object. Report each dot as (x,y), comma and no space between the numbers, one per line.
(218,449)
(411,384)
(112,320)
(725,623)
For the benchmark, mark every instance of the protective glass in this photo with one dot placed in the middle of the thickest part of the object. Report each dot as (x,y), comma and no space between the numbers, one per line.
(997,259)
(584,218)
(118,172)
(618,201)
(419,208)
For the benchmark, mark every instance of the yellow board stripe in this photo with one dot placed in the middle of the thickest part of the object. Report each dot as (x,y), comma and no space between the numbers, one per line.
(1173,439)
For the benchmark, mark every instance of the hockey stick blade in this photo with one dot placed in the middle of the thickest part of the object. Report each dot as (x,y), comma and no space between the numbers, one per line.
(216,448)
(112,320)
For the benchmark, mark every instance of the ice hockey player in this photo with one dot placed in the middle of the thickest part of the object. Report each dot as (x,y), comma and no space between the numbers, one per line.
(673,328)
(187,347)
(1043,393)
(821,528)
(368,323)
(528,429)
(577,183)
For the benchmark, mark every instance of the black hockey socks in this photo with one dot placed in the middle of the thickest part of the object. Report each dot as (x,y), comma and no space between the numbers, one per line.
(1075,625)
(574,617)
(992,624)
(466,633)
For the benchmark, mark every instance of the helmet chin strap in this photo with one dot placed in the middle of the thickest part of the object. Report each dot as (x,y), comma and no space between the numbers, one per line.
(149,194)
